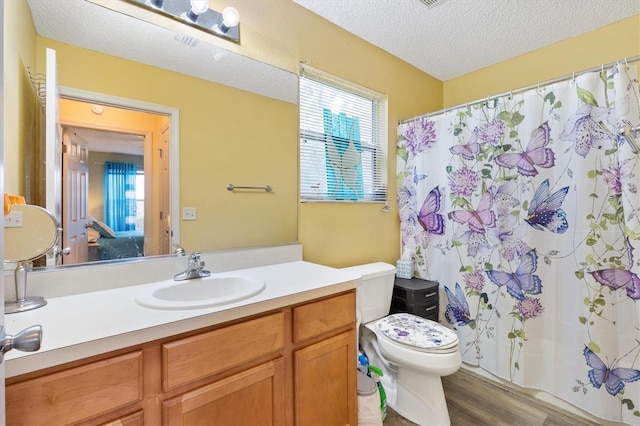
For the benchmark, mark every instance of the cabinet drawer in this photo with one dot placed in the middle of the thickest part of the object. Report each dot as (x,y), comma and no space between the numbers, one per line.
(78,393)
(319,317)
(419,308)
(416,291)
(196,357)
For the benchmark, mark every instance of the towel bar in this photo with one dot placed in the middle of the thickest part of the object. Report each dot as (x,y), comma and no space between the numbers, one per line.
(231,187)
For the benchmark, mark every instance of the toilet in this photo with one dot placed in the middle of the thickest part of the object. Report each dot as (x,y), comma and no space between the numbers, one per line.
(413,352)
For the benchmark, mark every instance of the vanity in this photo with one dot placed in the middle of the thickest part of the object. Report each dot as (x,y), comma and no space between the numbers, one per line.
(284,356)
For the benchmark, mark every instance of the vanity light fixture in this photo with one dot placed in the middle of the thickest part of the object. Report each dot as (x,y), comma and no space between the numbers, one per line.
(195,13)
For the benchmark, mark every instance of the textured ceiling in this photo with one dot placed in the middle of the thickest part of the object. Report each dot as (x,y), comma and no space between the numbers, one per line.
(452,38)
(456,37)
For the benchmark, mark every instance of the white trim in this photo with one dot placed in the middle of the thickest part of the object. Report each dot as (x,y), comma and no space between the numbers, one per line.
(317,74)
(174,155)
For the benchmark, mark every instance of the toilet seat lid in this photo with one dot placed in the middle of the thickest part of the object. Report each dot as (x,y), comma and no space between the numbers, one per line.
(416,331)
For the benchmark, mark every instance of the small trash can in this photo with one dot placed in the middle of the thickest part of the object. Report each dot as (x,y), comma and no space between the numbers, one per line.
(368,401)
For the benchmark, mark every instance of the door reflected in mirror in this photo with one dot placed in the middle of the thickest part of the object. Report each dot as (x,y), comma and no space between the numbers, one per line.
(115,182)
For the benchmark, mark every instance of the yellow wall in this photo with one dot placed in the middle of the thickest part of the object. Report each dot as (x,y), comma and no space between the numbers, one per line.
(602,46)
(20,104)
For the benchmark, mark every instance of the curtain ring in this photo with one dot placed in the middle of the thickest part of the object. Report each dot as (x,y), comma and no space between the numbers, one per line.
(510,94)
(573,78)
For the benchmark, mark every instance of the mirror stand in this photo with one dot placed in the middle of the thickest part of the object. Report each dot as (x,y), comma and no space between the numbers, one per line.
(31,233)
(22,302)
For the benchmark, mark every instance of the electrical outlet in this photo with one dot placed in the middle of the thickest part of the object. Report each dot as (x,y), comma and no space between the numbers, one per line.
(13,220)
(188,213)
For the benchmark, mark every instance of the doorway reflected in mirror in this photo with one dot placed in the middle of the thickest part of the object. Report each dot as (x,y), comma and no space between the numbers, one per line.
(115,174)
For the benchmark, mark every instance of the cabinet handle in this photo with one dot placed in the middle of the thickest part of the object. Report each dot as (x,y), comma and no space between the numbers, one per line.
(430,308)
(431,294)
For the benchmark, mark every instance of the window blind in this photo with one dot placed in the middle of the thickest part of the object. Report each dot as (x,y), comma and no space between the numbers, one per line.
(343,140)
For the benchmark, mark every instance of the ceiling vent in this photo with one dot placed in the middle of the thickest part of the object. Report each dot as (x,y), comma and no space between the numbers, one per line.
(430,3)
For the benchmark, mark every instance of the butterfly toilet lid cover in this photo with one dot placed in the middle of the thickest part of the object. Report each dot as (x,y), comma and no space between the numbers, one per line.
(417,332)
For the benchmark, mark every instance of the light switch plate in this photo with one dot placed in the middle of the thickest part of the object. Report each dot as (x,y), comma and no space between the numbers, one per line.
(13,220)
(188,213)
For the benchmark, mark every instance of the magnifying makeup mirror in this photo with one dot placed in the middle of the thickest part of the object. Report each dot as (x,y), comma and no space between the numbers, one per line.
(29,233)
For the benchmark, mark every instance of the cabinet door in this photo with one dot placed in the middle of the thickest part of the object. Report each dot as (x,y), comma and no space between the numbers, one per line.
(325,382)
(252,397)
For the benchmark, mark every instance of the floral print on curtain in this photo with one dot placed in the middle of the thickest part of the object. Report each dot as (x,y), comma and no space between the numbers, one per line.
(526,209)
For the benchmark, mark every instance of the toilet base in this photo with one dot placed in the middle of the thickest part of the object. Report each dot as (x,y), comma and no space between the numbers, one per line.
(420,398)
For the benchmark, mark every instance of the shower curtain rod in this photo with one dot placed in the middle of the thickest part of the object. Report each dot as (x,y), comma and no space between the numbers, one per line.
(524,89)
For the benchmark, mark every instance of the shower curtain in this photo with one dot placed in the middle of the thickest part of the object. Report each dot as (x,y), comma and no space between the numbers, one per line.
(526,210)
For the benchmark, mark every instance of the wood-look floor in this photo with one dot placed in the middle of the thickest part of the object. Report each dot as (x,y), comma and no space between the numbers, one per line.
(475,401)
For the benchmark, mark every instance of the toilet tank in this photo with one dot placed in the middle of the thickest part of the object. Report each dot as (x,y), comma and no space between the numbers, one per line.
(374,292)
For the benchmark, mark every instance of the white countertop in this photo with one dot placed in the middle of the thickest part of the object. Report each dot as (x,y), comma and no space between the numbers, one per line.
(81,325)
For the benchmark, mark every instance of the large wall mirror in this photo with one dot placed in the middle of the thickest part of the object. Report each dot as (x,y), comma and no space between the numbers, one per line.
(237,124)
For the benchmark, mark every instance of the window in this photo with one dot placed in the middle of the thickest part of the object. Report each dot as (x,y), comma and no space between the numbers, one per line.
(343,140)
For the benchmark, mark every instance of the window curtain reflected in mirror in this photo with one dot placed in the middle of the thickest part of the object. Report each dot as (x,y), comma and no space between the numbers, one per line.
(120,195)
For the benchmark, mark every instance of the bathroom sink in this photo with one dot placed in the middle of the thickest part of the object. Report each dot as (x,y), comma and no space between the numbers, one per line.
(214,290)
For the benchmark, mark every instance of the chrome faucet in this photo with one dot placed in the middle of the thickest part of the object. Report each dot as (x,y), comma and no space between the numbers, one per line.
(178,250)
(195,269)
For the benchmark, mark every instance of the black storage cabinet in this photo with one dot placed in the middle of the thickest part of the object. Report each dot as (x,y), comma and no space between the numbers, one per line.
(416,296)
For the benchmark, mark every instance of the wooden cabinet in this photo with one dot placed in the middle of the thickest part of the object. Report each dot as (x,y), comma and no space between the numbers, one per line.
(294,365)
(252,397)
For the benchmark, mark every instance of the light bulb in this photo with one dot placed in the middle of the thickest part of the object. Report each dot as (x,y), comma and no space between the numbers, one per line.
(198,7)
(230,17)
